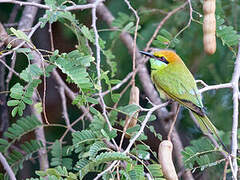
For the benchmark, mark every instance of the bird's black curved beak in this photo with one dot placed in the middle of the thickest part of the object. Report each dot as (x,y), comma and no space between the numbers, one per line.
(147,54)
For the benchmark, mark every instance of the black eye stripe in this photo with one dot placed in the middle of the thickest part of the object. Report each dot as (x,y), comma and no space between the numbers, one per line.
(163,59)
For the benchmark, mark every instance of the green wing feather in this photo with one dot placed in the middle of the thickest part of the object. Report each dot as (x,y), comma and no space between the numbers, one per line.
(180,86)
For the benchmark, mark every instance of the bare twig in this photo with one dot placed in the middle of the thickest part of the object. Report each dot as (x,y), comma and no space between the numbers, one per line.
(7,167)
(150,111)
(162,23)
(94,19)
(134,41)
(9,68)
(38,5)
(51,36)
(125,129)
(174,121)
(103,105)
(64,108)
(106,170)
(119,84)
(214,87)
(225,169)
(235,80)
(22,3)
(232,169)
(10,73)
(21,43)
(121,93)
(189,21)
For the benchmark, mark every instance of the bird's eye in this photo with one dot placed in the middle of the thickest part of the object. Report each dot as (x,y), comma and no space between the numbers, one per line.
(163,59)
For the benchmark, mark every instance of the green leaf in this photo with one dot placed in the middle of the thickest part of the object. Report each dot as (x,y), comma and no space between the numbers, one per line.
(226,33)
(92,100)
(104,133)
(14,111)
(155,170)
(201,152)
(13,102)
(115,97)
(111,156)
(89,35)
(38,107)
(145,155)
(72,65)
(27,100)
(20,128)
(115,81)
(19,34)
(31,72)
(96,147)
(133,129)
(152,118)
(129,109)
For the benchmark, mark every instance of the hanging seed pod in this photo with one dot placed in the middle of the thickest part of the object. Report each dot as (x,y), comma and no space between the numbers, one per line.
(165,159)
(134,99)
(209,26)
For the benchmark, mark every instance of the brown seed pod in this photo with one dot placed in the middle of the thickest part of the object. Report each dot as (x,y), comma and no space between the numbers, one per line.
(134,99)
(209,26)
(165,159)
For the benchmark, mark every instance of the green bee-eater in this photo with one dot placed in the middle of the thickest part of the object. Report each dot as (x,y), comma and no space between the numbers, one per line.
(173,80)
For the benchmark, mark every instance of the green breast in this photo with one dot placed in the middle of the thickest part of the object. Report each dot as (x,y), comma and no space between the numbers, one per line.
(177,81)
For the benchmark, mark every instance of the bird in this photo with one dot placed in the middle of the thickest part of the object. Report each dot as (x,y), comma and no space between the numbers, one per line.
(173,80)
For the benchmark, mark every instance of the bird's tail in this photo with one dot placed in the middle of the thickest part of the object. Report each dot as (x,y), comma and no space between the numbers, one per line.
(207,127)
(205,124)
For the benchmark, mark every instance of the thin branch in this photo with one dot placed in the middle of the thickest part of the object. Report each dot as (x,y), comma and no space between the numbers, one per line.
(121,94)
(234,142)
(106,170)
(94,19)
(232,169)
(119,84)
(70,8)
(174,121)
(51,37)
(125,129)
(10,73)
(162,23)
(225,170)
(21,3)
(132,141)
(102,103)
(215,87)
(64,108)
(9,68)
(7,167)
(189,21)
(134,41)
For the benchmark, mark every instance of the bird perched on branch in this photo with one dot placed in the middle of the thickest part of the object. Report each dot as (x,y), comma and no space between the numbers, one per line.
(173,80)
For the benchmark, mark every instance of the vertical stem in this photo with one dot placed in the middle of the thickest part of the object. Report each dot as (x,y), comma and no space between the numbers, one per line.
(7,167)
(234,142)
(94,19)
(134,41)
